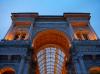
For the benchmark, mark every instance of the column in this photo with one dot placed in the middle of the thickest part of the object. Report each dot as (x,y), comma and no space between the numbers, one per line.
(71,29)
(31,29)
(21,66)
(83,68)
(77,66)
(92,29)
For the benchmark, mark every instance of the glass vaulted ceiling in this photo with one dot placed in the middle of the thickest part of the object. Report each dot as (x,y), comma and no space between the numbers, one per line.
(50,60)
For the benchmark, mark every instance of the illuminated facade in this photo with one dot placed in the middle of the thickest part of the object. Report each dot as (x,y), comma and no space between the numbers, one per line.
(41,44)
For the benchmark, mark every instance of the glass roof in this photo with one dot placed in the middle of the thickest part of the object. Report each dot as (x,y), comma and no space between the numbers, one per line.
(50,60)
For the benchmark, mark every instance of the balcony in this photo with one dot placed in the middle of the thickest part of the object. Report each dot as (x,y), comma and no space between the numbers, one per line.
(14,47)
(13,51)
(86,46)
(86,42)
(23,43)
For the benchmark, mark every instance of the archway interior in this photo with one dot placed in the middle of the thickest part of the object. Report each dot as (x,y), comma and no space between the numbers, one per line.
(50,60)
(7,70)
(94,70)
(51,48)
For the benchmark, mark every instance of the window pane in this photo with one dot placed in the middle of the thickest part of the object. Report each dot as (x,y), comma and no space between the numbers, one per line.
(49,59)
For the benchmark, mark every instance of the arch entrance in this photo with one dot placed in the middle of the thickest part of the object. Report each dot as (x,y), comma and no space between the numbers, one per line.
(7,70)
(94,70)
(51,48)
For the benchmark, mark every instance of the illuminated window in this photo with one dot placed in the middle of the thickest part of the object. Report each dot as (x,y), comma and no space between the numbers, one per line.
(85,36)
(23,36)
(82,36)
(20,36)
(17,37)
(50,60)
(79,36)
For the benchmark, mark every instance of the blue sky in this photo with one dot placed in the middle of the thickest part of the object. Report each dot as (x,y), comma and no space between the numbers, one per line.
(48,7)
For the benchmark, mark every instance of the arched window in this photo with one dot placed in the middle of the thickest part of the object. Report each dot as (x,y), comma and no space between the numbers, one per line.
(50,60)
(17,36)
(23,36)
(20,36)
(7,70)
(94,70)
(82,35)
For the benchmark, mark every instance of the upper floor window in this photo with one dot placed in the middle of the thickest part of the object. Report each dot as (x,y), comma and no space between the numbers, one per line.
(85,36)
(82,36)
(20,36)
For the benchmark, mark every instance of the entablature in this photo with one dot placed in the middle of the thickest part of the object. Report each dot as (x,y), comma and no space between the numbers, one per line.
(77,15)
(13,51)
(51,24)
(85,47)
(15,43)
(86,42)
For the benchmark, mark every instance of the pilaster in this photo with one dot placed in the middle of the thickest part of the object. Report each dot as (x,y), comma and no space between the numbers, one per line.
(71,29)
(83,68)
(21,66)
(77,66)
(31,29)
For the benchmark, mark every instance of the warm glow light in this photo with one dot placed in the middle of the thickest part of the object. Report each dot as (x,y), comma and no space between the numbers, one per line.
(9,37)
(52,37)
(94,70)
(52,50)
(50,60)
(7,70)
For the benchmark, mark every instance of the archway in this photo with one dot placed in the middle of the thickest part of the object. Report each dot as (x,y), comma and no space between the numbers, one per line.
(7,70)
(94,70)
(51,45)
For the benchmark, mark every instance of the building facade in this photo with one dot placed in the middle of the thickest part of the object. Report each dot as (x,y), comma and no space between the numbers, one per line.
(55,44)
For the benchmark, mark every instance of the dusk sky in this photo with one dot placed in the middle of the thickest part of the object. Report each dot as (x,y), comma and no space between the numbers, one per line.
(48,7)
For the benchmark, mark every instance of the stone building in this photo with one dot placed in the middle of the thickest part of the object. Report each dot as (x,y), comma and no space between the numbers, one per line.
(50,44)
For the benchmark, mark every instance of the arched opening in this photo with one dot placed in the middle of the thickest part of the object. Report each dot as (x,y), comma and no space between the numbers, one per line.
(94,70)
(20,31)
(21,35)
(84,35)
(51,48)
(7,70)
(82,31)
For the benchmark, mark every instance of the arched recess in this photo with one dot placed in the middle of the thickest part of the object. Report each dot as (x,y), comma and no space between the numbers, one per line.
(94,70)
(56,37)
(7,70)
(52,40)
(84,35)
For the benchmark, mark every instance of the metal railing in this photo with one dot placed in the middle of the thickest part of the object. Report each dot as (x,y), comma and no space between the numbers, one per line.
(86,42)
(15,43)
(86,46)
